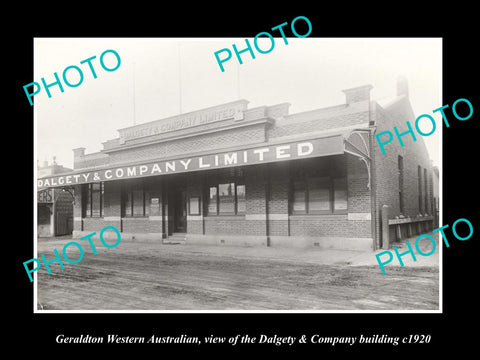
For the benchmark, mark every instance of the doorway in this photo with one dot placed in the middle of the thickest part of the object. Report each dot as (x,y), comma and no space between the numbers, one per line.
(179,203)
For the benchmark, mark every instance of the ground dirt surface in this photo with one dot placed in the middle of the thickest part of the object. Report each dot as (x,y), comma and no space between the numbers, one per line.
(154,276)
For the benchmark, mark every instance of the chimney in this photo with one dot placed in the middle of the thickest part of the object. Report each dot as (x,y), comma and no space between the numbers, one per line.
(357,94)
(402,86)
(78,152)
(78,155)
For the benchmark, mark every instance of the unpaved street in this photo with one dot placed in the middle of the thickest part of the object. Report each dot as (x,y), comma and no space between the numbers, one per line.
(151,276)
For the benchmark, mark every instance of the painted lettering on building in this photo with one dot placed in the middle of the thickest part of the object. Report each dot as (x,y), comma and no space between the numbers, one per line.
(270,153)
(183,121)
(45,196)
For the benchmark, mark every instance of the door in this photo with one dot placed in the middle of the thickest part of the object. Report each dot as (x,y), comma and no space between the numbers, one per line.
(180,210)
(61,224)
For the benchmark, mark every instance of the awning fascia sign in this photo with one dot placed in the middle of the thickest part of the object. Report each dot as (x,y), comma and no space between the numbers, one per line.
(325,146)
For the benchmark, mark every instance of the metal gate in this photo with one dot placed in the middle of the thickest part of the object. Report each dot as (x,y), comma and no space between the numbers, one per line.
(62,224)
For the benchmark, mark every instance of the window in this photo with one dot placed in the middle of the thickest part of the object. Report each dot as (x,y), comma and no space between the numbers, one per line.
(134,201)
(43,215)
(299,196)
(420,208)
(241,203)
(319,195)
(226,199)
(340,194)
(194,205)
(400,185)
(212,200)
(425,180)
(93,195)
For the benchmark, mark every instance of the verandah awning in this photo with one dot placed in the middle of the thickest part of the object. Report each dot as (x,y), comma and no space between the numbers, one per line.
(332,144)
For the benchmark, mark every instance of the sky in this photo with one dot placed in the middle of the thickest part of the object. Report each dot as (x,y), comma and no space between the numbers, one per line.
(163,77)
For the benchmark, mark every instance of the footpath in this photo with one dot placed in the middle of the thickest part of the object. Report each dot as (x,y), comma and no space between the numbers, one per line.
(311,255)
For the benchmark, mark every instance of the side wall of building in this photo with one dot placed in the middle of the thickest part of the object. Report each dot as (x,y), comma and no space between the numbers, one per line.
(387,172)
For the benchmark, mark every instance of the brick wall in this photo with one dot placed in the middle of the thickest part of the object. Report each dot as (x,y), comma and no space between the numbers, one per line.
(97,224)
(357,180)
(141,225)
(227,225)
(322,119)
(243,136)
(328,226)
(278,224)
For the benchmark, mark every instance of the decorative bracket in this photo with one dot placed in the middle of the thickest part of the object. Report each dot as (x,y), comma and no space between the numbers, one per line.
(356,143)
(70,190)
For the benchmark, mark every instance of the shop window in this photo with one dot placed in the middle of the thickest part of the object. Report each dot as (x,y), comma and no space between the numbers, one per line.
(43,214)
(93,197)
(319,195)
(241,202)
(226,199)
(212,200)
(135,203)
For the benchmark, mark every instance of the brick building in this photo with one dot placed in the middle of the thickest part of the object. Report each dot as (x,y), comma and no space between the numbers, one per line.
(233,175)
(54,205)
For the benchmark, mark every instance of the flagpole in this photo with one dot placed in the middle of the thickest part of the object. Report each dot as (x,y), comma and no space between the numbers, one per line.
(179,80)
(134,111)
(238,80)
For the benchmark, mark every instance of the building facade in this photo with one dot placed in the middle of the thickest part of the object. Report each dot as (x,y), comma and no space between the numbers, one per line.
(238,176)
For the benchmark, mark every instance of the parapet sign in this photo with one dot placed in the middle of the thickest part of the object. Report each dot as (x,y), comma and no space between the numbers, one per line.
(233,110)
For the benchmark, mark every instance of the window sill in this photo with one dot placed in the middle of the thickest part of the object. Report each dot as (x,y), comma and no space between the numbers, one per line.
(298,216)
(225,216)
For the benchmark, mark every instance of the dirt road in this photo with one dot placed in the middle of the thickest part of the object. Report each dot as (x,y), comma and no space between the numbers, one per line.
(151,276)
